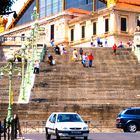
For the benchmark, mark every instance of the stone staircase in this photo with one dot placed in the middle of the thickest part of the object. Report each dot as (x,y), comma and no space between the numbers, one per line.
(96,93)
(112,80)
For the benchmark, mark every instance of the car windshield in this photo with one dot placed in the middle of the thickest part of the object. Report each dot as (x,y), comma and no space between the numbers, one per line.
(69,118)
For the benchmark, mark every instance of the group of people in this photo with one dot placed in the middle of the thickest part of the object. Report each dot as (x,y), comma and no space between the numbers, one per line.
(99,42)
(121,45)
(104,43)
(86,59)
(50,60)
(59,49)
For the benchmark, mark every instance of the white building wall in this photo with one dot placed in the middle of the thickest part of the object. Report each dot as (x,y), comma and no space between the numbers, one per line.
(77,32)
(47,31)
(131,25)
(100,26)
(112,23)
(89,29)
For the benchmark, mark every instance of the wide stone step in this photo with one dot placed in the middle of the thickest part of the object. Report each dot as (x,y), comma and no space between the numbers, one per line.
(88,95)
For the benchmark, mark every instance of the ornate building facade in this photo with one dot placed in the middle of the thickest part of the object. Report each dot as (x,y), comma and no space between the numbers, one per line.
(76,24)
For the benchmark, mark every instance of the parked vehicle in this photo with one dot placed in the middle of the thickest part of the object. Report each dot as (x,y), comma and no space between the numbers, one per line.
(129,119)
(66,124)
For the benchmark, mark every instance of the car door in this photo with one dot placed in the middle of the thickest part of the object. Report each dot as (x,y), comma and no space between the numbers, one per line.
(138,116)
(51,123)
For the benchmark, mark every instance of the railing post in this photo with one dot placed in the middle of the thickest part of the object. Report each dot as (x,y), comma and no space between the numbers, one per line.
(12,129)
(0,129)
(5,129)
(8,129)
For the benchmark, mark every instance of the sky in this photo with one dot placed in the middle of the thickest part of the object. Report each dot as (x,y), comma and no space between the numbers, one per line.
(16,7)
(18,4)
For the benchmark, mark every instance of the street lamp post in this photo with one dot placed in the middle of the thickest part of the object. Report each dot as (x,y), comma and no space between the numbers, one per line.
(23,70)
(9,114)
(28,52)
(10,68)
(34,33)
(24,56)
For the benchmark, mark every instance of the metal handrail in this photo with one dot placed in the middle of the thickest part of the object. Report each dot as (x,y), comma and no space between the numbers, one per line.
(39,126)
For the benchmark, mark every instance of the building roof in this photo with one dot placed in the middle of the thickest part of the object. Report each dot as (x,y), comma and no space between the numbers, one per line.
(76,10)
(127,7)
(133,2)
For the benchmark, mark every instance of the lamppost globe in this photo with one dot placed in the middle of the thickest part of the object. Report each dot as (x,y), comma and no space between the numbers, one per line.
(19,74)
(34,9)
(1,74)
(23,47)
(10,73)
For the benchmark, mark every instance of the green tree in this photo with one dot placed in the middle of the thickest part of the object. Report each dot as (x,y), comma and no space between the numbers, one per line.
(5,6)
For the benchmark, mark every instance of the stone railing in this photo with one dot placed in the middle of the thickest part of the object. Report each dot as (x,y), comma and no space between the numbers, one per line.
(94,126)
(136,50)
(29,77)
(136,46)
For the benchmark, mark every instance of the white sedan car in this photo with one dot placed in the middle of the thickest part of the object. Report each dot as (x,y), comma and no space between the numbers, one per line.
(66,124)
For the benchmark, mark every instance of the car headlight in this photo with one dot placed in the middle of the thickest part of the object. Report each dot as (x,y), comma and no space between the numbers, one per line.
(85,128)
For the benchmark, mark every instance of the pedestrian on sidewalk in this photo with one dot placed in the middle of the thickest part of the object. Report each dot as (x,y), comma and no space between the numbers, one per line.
(52,43)
(61,49)
(114,48)
(36,67)
(51,60)
(75,55)
(17,126)
(57,50)
(84,60)
(106,42)
(90,59)
(121,45)
(81,53)
(91,42)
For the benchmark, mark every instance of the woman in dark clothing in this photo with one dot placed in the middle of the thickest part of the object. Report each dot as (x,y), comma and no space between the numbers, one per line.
(57,50)
(17,126)
(50,57)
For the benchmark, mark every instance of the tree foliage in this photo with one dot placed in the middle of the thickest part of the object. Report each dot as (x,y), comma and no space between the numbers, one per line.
(5,6)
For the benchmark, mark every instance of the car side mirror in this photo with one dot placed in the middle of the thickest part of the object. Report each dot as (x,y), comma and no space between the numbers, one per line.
(52,121)
(87,122)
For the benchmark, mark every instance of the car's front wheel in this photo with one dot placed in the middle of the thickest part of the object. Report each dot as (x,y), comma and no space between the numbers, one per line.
(57,135)
(132,127)
(48,136)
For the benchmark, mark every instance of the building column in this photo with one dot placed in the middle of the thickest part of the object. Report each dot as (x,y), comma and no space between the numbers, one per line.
(94,5)
(63,5)
(37,6)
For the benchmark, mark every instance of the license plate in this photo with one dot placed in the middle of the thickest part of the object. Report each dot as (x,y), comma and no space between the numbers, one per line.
(74,132)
